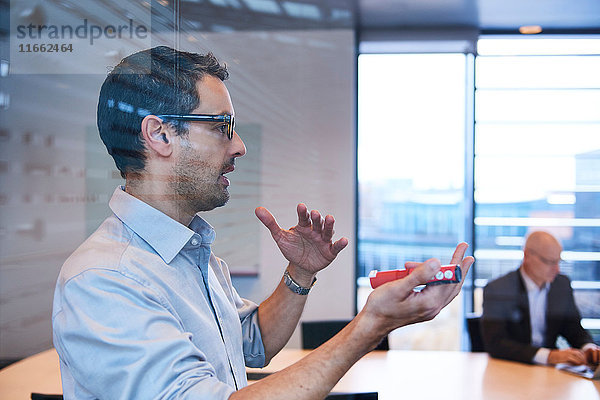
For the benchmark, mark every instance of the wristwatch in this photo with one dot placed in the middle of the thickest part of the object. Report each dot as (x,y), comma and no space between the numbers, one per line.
(293,285)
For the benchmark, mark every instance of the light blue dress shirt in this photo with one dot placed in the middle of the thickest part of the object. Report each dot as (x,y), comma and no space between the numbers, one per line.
(144,310)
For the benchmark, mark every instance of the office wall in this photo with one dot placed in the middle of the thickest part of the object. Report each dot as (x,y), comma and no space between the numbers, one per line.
(293,92)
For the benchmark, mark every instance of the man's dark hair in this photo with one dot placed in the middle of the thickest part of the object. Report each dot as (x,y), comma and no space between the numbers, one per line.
(156,81)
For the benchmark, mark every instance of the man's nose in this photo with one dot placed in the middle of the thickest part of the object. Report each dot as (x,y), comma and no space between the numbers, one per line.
(238,146)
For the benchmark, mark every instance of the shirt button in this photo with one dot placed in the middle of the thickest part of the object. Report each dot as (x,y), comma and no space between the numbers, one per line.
(194,242)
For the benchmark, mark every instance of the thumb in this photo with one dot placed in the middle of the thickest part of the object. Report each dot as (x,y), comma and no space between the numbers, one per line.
(424,272)
(268,220)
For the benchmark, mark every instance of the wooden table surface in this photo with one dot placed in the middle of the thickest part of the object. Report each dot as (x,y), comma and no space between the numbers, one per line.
(414,375)
(448,375)
(39,373)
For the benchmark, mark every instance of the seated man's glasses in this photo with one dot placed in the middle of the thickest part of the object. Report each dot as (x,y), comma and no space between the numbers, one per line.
(227,119)
(545,260)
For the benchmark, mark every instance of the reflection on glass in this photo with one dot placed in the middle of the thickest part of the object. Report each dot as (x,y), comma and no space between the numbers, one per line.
(57,177)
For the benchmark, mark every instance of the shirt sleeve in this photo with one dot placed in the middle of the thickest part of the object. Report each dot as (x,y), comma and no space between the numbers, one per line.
(254,350)
(589,346)
(541,356)
(120,341)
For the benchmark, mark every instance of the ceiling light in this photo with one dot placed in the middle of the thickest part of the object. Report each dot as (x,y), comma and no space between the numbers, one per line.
(530,29)
(4,65)
(265,6)
(301,10)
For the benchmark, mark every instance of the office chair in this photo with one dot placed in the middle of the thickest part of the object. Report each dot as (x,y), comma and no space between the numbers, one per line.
(40,396)
(474,329)
(315,333)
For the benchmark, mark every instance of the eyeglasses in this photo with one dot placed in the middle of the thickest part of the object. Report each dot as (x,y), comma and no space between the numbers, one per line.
(228,119)
(545,260)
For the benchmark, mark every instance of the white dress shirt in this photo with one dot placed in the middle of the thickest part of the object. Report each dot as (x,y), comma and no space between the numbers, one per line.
(537,297)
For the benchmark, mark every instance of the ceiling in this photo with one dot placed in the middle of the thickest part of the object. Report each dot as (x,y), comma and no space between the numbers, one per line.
(368,15)
(485,15)
(555,16)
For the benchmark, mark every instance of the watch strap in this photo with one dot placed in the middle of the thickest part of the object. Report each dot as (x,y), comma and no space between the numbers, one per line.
(294,286)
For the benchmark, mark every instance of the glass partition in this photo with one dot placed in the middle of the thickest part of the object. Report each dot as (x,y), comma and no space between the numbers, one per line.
(292,72)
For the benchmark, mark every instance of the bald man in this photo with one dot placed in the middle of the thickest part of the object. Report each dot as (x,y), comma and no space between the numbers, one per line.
(526,310)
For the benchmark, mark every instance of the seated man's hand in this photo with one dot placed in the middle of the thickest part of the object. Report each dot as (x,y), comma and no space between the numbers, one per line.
(592,355)
(396,304)
(308,245)
(566,356)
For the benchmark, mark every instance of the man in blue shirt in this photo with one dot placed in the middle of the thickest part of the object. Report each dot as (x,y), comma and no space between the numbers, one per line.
(143,309)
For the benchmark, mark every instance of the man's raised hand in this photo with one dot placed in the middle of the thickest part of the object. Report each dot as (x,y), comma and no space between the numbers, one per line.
(308,245)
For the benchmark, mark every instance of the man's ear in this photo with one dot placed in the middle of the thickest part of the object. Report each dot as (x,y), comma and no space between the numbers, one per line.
(157,135)
(526,255)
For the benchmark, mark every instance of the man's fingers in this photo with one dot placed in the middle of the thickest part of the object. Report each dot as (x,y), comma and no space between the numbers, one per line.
(457,257)
(593,356)
(411,264)
(339,245)
(459,253)
(575,356)
(317,221)
(268,220)
(465,266)
(421,274)
(596,356)
(576,359)
(328,228)
(303,215)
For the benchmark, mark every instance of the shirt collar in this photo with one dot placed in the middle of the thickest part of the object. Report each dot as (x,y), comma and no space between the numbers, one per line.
(530,285)
(165,235)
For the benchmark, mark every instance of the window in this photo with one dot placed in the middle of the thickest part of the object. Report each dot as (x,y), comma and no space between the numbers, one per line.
(537,157)
(534,165)
(411,164)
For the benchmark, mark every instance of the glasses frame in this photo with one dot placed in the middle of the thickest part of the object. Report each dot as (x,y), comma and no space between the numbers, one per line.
(228,119)
(545,260)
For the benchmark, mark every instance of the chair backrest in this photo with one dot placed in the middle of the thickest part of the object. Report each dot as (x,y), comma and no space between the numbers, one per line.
(315,333)
(474,329)
(353,396)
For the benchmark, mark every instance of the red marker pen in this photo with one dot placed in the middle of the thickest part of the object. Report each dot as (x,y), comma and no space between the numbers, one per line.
(447,274)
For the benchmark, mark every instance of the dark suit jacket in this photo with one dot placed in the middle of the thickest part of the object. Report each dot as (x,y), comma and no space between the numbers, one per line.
(506,325)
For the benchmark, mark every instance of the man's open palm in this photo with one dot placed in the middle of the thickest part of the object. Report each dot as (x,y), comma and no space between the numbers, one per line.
(307,245)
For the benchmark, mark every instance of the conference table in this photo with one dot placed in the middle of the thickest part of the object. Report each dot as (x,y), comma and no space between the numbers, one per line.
(395,374)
